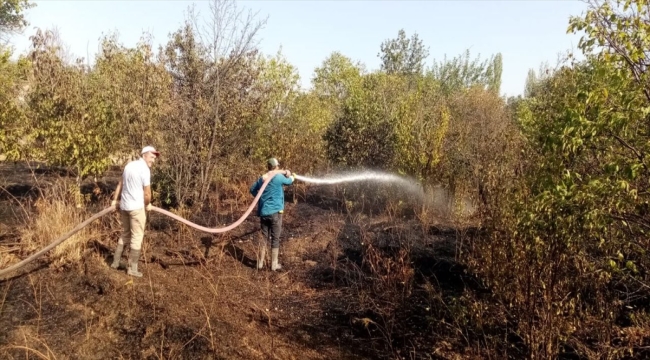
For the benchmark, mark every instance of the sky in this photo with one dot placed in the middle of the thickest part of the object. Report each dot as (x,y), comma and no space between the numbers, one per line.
(526,32)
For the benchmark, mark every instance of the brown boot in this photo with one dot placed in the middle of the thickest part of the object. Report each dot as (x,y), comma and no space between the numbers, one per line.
(117,256)
(134,256)
(261,257)
(275,266)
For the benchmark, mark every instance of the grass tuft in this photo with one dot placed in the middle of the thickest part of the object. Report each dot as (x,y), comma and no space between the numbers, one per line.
(57,211)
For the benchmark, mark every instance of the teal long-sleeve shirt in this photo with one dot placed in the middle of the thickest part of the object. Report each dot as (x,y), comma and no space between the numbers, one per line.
(272,199)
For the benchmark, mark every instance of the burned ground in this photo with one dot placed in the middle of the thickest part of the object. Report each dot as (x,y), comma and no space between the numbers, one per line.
(202,298)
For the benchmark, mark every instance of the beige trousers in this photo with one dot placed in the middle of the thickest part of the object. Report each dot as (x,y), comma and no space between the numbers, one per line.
(133,228)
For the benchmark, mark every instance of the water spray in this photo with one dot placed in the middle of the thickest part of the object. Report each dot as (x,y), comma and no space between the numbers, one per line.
(408,184)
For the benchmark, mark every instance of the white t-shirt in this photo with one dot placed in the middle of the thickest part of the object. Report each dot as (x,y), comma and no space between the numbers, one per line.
(135,177)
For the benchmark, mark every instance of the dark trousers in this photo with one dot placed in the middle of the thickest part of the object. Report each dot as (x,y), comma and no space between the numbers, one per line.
(271,227)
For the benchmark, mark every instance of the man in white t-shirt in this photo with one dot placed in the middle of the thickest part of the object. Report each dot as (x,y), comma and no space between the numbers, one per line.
(134,194)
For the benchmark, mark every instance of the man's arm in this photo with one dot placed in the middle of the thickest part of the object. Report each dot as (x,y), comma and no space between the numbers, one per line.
(288,180)
(256,186)
(147,195)
(146,187)
(118,193)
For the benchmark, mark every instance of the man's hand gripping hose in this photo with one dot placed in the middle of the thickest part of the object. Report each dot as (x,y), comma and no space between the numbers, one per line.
(113,207)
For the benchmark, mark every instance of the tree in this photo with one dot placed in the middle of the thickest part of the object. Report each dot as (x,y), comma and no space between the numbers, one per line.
(214,70)
(531,82)
(512,105)
(336,80)
(403,55)
(364,134)
(12,16)
(277,87)
(138,88)
(535,79)
(12,79)
(308,122)
(574,229)
(479,146)
(621,29)
(70,121)
(229,35)
(421,126)
(462,73)
(578,181)
(494,72)
(185,129)
(13,84)
(336,77)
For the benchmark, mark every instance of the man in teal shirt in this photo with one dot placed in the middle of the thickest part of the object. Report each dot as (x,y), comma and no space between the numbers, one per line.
(270,208)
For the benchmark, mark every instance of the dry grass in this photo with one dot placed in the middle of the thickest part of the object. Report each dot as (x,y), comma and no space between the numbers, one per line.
(8,252)
(184,212)
(30,350)
(27,339)
(57,211)
(11,211)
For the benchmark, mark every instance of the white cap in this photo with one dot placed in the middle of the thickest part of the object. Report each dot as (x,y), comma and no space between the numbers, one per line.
(147,149)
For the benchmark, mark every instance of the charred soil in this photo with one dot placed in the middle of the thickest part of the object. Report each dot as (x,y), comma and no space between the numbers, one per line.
(350,288)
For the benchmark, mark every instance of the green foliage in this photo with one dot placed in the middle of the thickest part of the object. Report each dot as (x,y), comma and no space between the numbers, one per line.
(336,81)
(137,87)
(216,107)
(12,15)
(291,124)
(615,122)
(364,135)
(402,55)
(494,72)
(279,83)
(337,77)
(461,73)
(12,109)
(534,80)
(71,123)
(531,81)
(308,121)
(579,180)
(574,230)
(421,126)
(12,80)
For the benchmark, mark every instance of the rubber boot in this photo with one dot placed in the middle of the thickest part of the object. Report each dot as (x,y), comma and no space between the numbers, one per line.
(134,256)
(274,260)
(117,256)
(261,257)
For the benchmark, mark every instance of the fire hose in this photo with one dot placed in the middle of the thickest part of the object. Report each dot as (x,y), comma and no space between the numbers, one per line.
(270,175)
